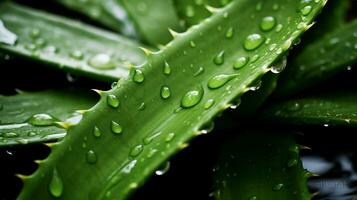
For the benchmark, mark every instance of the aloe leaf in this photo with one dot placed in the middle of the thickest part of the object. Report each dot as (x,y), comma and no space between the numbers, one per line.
(320,60)
(31,117)
(332,109)
(152,114)
(149,18)
(68,45)
(261,165)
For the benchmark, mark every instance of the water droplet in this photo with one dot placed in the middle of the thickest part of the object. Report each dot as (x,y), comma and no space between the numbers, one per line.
(167,69)
(113,101)
(101,61)
(163,169)
(230,32)
(138,76)
(199,71)
(190,12)
(56,185)
(96,132)
(278,187)
(220,80)
(31,134)
(253,198)
(136,150)
(326,125)
(78,55)
(292,163)
(35,33)
(306,10)
(267,23)
(165,92)
(219,59)
(209,103)
(279,66)
(192,44)
(91,157)
(141,106)
(31,47)
(41,120)
(278,28)
(147,140)
(192,97)
(255,85)
(10,135)
(240,62)
(116,128)
(170,137)
(253,41)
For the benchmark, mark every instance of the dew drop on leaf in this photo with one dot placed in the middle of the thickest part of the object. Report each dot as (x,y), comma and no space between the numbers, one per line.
(101,61)
(136,150)
(219,80)
(76,54)
(267,23)
(116,127)
(138,76)
(209,103)
(253,41)
(41,119)
(240,62)
(167,69)
(192,97)
(230,32)
(113,101)
(163,169)
(165,92)
(96,132)
(219,58)
(91,157)
(306,10)
(56,184)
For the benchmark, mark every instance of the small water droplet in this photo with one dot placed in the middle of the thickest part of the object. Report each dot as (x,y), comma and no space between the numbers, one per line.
(219,58)
(230,32)
(147,140)
(240,62)
(192,97)
(96,132)
(91,157)
(56,184)
(101,61)
(278,28)
(253,41)
(279,66)
(292,163)
(306,10)
(163,169)
(141,106)
(267,23)
(170,137)
(278,187)
(220,80)
(295,106)
(138,76)
(136,150)
(76,54)
(167,69)
(113,101)
(199,71)
(31,134)
(192,44)
(35,33)
(116,127)
(41,120)
(165,92)
(209,103)
(255,85)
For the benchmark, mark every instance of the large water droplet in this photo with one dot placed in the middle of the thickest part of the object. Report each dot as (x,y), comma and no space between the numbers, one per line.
(165,92)
(192,97)
(113,101)
(267,23)
(230,32)
(219,80)
(91,157)
(279,66)
(253,41)
(96,132)
(163,169)
(116,127)
(240,62)
(167,69)
(306,10)
(136,150)
(138,76)
(56,184)
(101,61)
(41,120)
(219,59)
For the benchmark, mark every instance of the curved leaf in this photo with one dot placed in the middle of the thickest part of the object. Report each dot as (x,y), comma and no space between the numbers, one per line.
(69,45)
(31,117)
(261,165)
(333,109)
(154,113)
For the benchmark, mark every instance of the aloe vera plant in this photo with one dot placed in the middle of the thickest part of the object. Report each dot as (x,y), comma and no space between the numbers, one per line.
(197,75)
(164,98)
(89,51)
(32,117)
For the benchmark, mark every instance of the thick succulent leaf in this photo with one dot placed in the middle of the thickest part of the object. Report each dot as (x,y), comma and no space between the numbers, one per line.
(68,45)
(332,109)
(261,165)
(152,114)
(320,60)
(31,117)
(149,18)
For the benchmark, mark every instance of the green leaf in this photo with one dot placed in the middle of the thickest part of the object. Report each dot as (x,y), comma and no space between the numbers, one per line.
(332,109)
(69,45)
(152,123)
(6,36)
(31,117)
(261,165)
(149,18)
(320,60)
